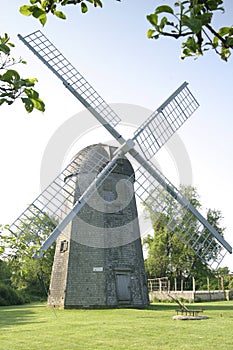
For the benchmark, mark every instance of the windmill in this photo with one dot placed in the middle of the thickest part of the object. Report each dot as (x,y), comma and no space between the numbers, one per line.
(93,167)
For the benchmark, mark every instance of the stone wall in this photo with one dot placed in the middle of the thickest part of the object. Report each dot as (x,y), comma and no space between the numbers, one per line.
(190,296)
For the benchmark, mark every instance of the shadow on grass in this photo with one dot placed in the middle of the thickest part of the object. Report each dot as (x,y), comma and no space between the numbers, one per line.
(18,315)
(162,307)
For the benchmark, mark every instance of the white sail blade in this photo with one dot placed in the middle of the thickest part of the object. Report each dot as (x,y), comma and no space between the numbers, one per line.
(39,44)
(165,121)
(55,202)
(179,216)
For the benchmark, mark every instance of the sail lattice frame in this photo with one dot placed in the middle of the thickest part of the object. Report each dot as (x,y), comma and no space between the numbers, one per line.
(176,217)
(165,121)
(72,79)
(54,203)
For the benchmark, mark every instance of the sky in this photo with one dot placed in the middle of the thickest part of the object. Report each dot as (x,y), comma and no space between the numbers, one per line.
(110,48)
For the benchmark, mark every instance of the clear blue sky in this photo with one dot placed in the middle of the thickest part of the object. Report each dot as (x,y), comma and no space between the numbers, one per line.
(110,48)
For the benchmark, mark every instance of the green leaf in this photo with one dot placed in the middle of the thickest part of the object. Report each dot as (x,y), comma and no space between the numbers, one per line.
(10,76)
(4,100)
(43,19)
(60,14)
(231,31)
(34,1)
(163,23)
(38,104)
(11,44)
(84,7)
(5,49)
(193,23)
(31,80)
(150,33)
(31,93)
(27,104)
(26,10)
(33,96)
(98,3)
(164,8)
(191,44)
(205,18)
(5,39)
(37,12)
(214,5)
(215,42)
(153,19)
(229,42)
(224,31)
(225,54)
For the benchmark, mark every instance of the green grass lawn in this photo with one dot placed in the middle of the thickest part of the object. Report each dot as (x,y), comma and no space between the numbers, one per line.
(37,327)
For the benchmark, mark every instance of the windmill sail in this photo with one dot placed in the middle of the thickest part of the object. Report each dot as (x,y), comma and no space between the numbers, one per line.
(71,78)
(52,206)
(165,121)
(174,211)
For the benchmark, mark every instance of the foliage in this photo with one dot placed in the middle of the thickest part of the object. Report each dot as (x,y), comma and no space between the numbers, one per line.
(40,8)
(225,278)
(10,296)
(223,271)
(168,256)
(5,272)
(193,20)
(12,85)
(189,19)
(28,274)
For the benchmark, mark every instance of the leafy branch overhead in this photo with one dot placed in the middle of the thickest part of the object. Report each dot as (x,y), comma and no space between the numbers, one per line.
(40,8)
(190,19)
(193,20)
(12,86)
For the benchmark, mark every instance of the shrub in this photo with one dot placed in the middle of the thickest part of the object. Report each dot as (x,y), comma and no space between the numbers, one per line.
(10,296)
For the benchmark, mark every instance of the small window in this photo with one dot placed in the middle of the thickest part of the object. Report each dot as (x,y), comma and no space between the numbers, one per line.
(63,246)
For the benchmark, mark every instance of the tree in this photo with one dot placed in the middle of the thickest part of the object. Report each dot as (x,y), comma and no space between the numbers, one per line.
(191,19)
(12,86)
(40,8)
(17,250)
(168,255)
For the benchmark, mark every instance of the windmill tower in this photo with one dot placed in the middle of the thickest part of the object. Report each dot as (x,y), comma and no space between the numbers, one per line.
(98,259)
(150,185)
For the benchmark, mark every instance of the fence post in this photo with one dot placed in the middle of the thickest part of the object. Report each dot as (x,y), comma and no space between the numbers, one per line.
(194,285)
(222,283)
(160,285)
(208,284)
(182,285)
(175,282)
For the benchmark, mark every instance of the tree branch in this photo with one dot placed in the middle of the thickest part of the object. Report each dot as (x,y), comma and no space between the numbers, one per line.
(217,35)
(176,36)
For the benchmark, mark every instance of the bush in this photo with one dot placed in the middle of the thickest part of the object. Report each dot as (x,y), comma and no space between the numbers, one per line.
(10,296)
